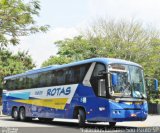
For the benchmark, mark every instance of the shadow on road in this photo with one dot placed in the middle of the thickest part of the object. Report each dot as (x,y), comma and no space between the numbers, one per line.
(92,127)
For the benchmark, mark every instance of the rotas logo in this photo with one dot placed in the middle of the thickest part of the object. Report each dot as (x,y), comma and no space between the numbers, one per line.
(59,91)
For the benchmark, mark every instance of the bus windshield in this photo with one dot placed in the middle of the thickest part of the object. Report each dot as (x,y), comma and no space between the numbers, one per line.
(130,81)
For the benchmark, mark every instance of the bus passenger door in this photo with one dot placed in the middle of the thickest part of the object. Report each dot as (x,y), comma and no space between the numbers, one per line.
(98,83)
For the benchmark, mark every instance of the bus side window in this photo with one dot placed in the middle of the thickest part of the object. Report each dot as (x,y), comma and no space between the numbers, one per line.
(12,84)
(94,78)
(60,77)
(16,82)
(34,82)
(23,83)
(76,74)
(69,74)
(42,79)
(53,78)
(29,81)
(7,85)
(20,84)
(49,79)
(83,71)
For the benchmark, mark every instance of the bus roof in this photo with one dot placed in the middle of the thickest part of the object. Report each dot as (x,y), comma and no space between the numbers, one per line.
(54,67)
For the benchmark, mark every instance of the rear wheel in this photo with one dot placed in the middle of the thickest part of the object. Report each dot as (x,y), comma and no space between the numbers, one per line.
(22,114)
(81,117)
(15,115)
(112,124)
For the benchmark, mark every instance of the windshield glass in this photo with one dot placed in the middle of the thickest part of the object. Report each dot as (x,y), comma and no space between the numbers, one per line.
(129,81)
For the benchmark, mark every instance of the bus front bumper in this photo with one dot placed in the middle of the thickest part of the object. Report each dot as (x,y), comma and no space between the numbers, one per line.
(128,115)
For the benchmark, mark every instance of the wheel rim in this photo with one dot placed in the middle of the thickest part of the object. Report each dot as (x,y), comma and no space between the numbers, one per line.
(22,114)
(15,114)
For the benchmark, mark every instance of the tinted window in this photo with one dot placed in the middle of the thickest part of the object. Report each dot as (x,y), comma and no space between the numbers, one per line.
(94,78)
(51,79)
(22,83)
(60,75)
(71,75)
(76,74)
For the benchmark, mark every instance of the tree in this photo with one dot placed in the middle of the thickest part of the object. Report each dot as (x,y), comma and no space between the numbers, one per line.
(56,60)
(11,64)
(17,19)
(77,48)
(128,40)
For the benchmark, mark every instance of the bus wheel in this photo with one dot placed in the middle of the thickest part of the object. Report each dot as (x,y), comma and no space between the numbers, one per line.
(22,114)
(81,117)
(112,124)
(15,115)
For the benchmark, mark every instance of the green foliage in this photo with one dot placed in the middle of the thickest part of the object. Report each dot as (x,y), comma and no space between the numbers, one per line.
(11,64)
(17,19)
(76,48)
(153,96)
(121,39)
(53,60)
(116,39)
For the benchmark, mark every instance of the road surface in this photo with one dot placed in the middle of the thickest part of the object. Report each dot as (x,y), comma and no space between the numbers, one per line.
(8,125)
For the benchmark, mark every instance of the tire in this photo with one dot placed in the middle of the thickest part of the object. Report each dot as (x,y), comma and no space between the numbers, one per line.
(15,113)
(22,114)
(81,117)
(112,124)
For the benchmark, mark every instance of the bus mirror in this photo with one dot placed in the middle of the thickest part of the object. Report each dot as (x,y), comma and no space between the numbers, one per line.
(156,84)
(114,79)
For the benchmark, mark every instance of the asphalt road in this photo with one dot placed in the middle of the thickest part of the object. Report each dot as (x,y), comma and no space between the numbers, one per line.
(8,125)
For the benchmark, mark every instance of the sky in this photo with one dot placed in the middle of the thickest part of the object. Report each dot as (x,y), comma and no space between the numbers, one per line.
(67,17)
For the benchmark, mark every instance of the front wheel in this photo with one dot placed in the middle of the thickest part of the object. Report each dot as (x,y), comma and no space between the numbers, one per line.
(81,118)
(112,124)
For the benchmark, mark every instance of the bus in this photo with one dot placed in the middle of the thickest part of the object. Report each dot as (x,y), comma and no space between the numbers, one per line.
(92,90)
